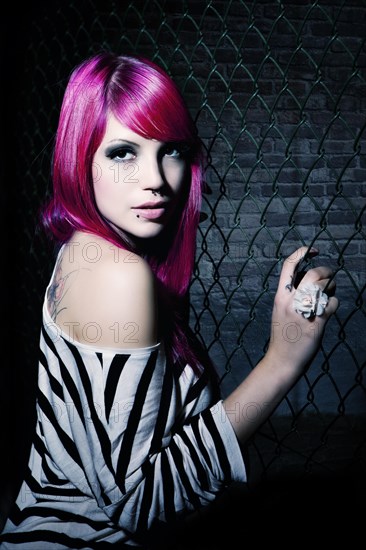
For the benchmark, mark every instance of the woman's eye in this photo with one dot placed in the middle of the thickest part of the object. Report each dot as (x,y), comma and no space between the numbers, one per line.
(177,150)
(173,152)
(121,155)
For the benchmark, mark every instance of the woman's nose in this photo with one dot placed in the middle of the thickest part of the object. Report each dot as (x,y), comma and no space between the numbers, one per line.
(153,177)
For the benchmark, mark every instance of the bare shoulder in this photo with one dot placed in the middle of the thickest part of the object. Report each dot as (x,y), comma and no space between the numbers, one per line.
(108,296)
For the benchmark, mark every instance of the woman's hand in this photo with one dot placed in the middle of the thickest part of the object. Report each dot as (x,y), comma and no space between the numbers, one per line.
(294,337)
(294,341)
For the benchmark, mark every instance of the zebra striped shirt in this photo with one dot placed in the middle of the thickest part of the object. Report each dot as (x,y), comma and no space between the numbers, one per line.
(123,443)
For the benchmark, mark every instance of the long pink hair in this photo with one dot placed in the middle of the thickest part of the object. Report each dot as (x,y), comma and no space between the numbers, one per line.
(146,100)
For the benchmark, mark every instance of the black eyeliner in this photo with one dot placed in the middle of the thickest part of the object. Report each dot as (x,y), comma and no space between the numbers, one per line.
(112,151)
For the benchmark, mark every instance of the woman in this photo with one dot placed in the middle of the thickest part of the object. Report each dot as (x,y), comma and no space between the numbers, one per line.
(131,431)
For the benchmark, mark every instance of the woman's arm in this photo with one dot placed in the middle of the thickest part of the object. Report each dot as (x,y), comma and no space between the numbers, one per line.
(293,344)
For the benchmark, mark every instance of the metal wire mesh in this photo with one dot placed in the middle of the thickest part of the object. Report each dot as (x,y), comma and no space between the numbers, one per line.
(278,93)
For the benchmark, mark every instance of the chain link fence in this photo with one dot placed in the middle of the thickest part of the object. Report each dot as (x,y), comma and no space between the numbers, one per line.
(278,92)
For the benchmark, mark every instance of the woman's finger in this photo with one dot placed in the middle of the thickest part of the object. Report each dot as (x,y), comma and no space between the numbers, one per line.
(290,267)
(327,285)
(317,274)
(332,306)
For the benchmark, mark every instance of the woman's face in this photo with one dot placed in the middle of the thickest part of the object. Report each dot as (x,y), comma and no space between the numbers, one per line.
(137,182)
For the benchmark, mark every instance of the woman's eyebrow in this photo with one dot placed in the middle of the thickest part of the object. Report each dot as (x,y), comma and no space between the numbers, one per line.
(120,140)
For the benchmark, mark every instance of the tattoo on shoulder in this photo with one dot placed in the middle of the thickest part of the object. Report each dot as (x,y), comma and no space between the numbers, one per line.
(58,290)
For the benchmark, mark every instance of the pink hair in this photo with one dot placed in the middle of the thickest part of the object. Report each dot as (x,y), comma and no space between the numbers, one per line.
(145,99)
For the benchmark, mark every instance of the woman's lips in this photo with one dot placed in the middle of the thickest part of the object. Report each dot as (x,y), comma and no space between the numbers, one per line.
(149,213)
(151,210)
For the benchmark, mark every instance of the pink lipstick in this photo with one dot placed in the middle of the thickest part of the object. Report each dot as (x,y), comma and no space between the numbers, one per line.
(151,210)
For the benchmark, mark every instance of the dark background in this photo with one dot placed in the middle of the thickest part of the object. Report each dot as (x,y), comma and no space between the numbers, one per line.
(278,94)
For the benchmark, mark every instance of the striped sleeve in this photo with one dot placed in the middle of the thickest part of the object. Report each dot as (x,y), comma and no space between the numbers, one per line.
(137,462)
(200,460)
(122,440)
